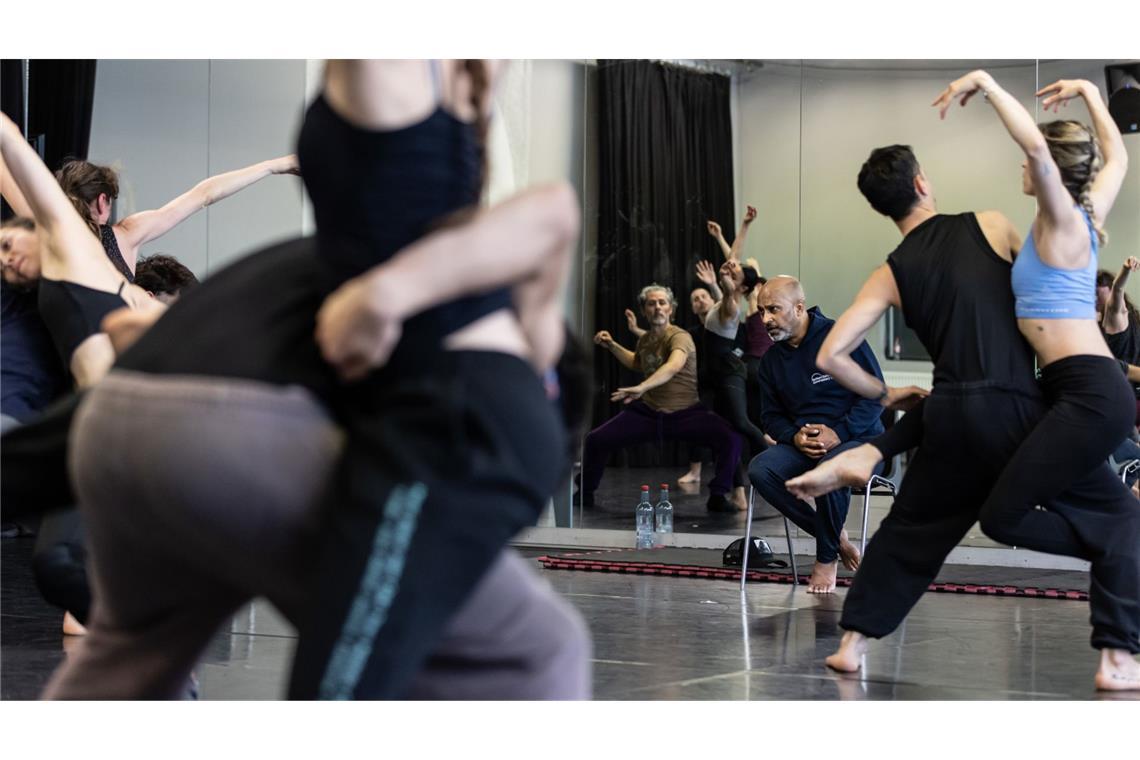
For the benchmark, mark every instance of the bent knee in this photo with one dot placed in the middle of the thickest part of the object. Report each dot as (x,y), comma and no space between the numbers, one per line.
(561,664)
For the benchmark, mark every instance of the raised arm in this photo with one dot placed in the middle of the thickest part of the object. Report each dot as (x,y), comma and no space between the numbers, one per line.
(737,250)
(625,357)
(707,275)
(631,322)
(718,236)
(43,197)
(1106,184)
(12,194)
(1116,310)
(68,235)
(878,294)
(1055,205)
(727,307)
(138,229)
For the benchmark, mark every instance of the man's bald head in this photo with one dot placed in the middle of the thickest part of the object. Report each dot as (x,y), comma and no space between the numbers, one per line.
(782,304)
(785,287)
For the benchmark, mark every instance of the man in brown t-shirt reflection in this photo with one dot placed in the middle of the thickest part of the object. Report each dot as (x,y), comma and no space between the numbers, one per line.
(663,406)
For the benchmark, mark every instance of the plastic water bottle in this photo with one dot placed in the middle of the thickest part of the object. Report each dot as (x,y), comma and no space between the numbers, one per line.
(644,521)
(663,515)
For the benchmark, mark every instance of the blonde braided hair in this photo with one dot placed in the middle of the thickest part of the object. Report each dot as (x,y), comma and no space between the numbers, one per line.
(1076,152)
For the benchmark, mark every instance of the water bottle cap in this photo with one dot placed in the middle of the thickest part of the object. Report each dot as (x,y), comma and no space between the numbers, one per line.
(665,486)
(645,488)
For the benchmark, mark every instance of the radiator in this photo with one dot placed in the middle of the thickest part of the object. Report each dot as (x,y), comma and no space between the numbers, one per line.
(921,379)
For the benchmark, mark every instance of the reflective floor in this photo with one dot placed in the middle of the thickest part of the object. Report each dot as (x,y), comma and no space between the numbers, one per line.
(619,493)
(670,638)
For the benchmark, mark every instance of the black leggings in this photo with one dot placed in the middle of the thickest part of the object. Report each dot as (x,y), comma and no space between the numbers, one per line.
(1090,413)
(59,563)
(439,471)
(973,442)
(732,404)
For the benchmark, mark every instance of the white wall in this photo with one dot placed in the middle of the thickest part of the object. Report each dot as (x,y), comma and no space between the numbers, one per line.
(537,135)
(166,125)
(799,150)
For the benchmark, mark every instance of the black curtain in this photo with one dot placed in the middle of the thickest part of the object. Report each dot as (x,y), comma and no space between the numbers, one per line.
(665,169)
(11,103)
(61,94)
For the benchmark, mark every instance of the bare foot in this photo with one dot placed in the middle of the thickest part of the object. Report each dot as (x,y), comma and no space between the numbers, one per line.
(853,467)
(822,580)
(740,499)
(692,476)
(72,627)
(849,657)
(1118,671)
(849,552)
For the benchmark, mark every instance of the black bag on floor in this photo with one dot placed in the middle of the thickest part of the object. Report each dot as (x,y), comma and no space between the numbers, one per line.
(759,554)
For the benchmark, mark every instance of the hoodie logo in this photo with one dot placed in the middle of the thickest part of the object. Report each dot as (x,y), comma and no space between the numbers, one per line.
(818,378)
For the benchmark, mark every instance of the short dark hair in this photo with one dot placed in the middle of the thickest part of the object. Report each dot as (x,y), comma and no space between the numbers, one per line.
(887,180)
(701,286)
(1104,278)
(163,274)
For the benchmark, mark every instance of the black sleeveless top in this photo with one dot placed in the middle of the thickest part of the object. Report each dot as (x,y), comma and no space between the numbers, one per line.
(73,312)
(956,296)
(111,248)
(379,191)
(255,318)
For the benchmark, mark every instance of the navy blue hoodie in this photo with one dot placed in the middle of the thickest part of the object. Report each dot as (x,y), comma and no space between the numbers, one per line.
(796,393)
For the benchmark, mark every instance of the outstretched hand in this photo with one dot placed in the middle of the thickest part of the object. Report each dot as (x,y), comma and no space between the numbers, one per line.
(905,398)
(964,88)
(706,273)
(749,214)
(627,395)
(631,320)
(1060,93)
(713,228)
(603,339)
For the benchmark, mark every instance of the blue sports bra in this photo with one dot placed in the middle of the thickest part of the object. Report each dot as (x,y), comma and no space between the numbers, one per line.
(1045,292)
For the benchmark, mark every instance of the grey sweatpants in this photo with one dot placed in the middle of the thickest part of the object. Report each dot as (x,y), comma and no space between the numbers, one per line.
(202,493)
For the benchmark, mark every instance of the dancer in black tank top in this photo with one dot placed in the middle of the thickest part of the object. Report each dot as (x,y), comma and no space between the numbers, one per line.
(950,277)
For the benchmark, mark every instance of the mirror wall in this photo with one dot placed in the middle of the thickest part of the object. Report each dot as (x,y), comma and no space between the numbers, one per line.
(797,132)
(800,132)
(166,125)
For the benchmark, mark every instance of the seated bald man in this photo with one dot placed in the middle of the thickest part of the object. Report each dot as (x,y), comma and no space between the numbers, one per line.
(813,419)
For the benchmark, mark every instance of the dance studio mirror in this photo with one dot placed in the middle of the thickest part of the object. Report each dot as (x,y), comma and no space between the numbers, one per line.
(166,125)
(669,146)
(655,151)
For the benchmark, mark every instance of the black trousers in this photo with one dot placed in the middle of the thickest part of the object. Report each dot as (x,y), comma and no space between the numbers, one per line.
(970,433)
(59,563)
(439,471)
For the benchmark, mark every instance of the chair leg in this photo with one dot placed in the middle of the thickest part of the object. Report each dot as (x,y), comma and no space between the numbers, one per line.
(866,512)
(791,553)
(747,540)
